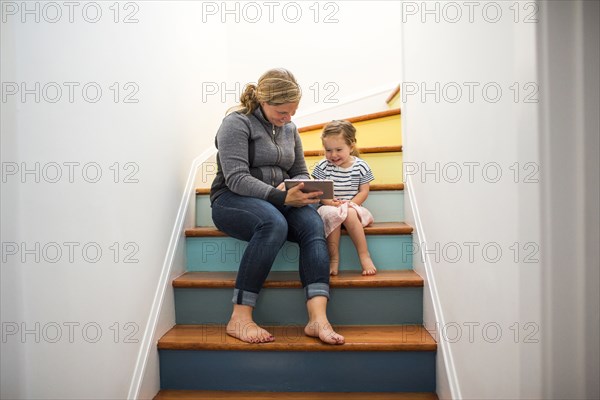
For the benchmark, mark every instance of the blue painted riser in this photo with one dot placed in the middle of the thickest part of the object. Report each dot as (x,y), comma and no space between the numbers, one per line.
(298,371)
(348,306)
(385,205)
(389,252)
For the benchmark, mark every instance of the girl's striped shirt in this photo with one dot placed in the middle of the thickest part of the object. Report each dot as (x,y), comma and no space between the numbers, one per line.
(345,180)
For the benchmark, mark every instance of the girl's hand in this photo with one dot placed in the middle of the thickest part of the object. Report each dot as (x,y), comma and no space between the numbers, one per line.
(281,187)
(333,203)
(297,198)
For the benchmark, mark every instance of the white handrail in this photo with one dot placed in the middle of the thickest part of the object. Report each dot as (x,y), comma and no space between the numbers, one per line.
(163,282)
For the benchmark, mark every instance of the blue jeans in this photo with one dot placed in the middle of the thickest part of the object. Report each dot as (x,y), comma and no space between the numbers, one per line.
(266,228)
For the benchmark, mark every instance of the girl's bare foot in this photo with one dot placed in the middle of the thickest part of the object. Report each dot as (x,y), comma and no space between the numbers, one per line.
(248,331)
(367,265)
(324,331)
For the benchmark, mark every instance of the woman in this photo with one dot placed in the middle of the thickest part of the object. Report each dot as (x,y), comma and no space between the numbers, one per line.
(259,147)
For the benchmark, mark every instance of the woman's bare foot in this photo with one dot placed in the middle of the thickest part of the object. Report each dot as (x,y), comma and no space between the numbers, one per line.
(324,331)
(248,331)
(242,326)
(334,267)
(318,325)
(367,265)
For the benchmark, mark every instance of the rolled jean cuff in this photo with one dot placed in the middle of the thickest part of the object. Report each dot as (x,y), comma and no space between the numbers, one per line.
(244,297)
(316,289)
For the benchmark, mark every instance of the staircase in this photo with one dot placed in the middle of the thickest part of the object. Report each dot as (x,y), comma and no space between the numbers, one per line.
(387,355)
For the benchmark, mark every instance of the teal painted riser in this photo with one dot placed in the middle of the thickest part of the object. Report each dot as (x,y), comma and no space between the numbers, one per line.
(277,306)
(389,252)
(347,371)
(386,206)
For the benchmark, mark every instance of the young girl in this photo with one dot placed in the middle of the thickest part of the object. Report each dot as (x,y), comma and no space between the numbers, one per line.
(351,176)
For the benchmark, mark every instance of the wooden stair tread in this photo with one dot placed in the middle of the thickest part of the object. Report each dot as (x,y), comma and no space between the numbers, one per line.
(362,150)
(292,338)
(359,118)
(393,94)
(217,395)
(291,279)
(378,228)
(377,187)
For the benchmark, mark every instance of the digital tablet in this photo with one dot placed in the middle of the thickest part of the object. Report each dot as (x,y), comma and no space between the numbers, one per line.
(313,185)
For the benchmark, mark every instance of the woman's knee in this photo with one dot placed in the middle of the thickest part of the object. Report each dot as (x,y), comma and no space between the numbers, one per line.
(313,222)
(305,224)
(243,218)
(275,226)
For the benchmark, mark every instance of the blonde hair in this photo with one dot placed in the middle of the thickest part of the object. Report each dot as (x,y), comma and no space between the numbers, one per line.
(275,87)
(344,128)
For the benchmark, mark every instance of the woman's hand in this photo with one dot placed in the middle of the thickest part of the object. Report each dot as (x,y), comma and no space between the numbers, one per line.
(297,198)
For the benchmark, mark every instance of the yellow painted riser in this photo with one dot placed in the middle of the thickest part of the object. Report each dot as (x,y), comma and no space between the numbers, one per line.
(386,167)
(385,131)
(395,103)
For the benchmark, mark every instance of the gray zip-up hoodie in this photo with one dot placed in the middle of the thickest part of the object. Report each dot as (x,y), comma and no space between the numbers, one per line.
(255,156)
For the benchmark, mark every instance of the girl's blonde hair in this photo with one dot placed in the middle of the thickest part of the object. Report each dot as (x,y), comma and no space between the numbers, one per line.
(275,87)
(345,128)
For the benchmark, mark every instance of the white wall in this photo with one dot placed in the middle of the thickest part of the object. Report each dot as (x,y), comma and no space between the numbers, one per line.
(338,51)
(550,211)
(163,55)
(174,57)
(478,294)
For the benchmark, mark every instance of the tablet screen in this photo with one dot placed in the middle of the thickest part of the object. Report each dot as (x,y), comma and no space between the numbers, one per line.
(313,185)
